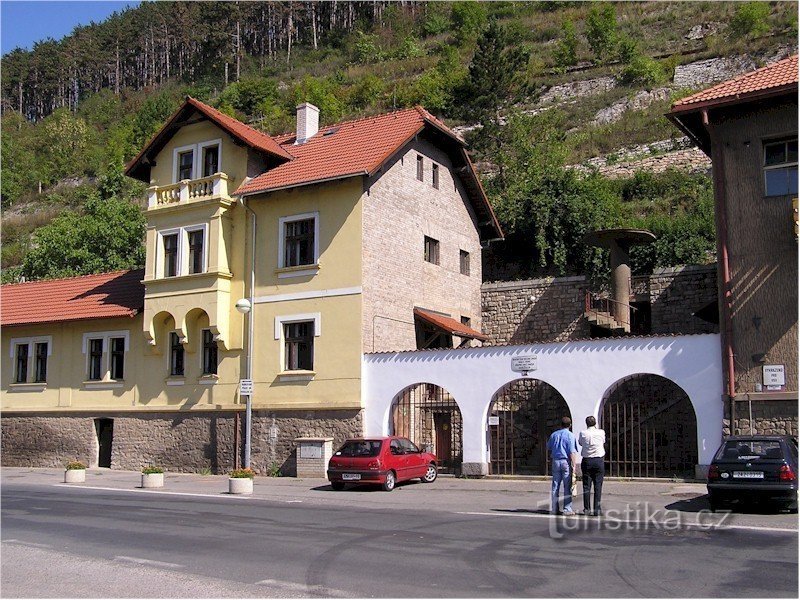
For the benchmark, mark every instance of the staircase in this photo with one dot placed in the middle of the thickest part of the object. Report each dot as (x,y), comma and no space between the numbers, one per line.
(598,313)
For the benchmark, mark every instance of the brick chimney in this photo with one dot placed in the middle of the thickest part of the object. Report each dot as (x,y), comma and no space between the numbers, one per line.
(307,122)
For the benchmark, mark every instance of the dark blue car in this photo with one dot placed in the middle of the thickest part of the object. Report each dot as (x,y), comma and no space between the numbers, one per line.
(750,468)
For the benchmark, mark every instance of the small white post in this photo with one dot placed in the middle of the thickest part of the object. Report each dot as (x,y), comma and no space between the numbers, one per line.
(152,196)
(184,191)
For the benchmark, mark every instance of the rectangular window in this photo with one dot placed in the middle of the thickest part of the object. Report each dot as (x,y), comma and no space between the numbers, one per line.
(209,353)
(210,160)
(40,373)
(464,262)
(175,355)
(436,176)
(299,350)
(196,255)
(185,165)
(780,167)
(431,250)
(171,255)
(420,168)
(117,358)
(298,243)
(95,360)
(21,371)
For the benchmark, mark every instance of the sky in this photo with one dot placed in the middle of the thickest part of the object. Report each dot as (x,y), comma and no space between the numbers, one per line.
(24,22)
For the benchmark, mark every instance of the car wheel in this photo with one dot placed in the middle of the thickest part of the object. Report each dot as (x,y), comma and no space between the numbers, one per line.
(337,485)
(390,482)
(430,474)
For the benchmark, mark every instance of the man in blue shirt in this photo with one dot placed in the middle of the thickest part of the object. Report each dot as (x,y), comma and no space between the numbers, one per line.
(561,446)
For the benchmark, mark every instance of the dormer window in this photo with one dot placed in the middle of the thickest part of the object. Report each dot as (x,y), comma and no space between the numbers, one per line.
(185,165)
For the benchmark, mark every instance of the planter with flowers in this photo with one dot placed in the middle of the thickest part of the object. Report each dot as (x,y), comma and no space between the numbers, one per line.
(75,472)
(240,481)
(152,477)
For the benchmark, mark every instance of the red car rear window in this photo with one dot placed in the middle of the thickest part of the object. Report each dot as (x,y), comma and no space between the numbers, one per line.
(360,448)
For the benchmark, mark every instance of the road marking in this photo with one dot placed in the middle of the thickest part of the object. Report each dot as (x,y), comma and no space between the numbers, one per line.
(32,544)
(294,501)
(592,521)
(302,588)
(148,562)
(110,489)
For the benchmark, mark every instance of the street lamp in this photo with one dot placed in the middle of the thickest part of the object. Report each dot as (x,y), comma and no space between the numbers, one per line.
(244,306)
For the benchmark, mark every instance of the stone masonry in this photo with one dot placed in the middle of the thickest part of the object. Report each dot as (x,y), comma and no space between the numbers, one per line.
(769,417)
(176,441)
(551,309)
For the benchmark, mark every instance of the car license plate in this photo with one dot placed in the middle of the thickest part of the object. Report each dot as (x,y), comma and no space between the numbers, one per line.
(748,475)
(351,476)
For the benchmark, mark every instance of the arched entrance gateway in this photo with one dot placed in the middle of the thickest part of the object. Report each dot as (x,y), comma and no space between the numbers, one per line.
(651,429)
(429,416)
(522,416)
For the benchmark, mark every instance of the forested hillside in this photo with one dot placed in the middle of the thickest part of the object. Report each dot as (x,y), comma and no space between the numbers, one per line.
(536,87)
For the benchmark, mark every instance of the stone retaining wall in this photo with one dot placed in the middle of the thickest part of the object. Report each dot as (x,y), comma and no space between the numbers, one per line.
(178,442)
(770,417)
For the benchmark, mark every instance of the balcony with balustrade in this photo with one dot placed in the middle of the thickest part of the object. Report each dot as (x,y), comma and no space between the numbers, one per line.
(189,191)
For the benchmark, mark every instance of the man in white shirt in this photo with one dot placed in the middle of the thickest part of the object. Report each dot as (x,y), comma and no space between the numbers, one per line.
(592,442)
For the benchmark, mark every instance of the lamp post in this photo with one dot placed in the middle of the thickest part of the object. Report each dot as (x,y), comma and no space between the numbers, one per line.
(245,307)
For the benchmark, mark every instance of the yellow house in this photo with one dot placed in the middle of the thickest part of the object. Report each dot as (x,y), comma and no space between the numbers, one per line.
(363,236)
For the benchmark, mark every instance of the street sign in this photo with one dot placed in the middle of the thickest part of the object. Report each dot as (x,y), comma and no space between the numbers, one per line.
(245,387)
(523,364)
(494,421)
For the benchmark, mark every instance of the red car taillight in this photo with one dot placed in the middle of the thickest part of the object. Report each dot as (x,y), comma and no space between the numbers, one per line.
(374,465)
(713,472)
(786,473)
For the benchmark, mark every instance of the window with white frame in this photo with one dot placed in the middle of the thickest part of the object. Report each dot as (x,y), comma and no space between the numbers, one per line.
(106,353)
(182,251)
(296,334)
(29,357)
(780,167)
(210,353)
(298,237)
(196,160)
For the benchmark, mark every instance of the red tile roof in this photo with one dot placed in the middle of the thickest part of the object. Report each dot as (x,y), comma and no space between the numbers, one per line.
(449,325)
(774,78)
(246,134)
(344,150)
(102,296)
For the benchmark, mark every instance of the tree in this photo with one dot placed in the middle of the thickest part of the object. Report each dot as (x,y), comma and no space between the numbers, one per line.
(106,237)
(494,75)
(750,19)
(468,18)
(566,53)
(601,31)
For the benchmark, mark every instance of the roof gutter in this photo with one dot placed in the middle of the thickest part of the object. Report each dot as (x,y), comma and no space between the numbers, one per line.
(296,185)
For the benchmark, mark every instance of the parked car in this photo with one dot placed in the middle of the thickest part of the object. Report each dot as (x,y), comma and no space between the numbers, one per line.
(384,461)
(754,467)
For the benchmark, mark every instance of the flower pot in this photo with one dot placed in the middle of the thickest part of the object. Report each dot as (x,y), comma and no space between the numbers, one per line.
(240,485)
(152,480)
(75,476)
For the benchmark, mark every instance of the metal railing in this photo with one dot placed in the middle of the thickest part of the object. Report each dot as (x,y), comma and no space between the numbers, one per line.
(597,305)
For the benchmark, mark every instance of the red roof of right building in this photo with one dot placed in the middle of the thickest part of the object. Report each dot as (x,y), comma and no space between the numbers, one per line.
(773,79)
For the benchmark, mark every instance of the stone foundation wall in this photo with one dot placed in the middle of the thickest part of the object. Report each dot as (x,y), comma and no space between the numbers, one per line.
(770,417)
(677,292)
(177,442)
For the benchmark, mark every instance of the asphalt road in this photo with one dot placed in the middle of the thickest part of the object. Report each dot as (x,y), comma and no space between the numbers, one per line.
(92,543)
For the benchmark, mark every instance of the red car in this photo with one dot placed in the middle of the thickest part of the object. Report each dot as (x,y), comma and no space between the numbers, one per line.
(384,460)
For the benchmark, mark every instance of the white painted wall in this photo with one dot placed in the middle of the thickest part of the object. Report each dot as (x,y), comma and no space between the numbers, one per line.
(582,372)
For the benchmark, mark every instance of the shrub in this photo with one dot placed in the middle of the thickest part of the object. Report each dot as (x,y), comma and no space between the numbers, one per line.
(750,18)
(566,50)
(468,19)
(601,31)
(643,70)
(242,474)
(152,470)
(75,465)
(274,470)
(436,21)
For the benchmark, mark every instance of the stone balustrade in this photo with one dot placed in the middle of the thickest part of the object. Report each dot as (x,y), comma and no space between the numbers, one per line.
(188,190)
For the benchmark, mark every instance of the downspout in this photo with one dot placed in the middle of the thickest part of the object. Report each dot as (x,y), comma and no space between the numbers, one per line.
(718,166)
(250,329)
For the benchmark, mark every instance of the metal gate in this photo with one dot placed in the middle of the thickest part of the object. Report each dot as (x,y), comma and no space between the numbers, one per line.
(522,416)
(429,416)
(651,429)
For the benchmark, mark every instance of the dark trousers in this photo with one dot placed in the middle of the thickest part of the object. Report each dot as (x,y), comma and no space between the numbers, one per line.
(593,471)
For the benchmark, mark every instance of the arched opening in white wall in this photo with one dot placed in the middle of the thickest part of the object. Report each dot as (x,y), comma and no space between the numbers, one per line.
(651,428)
(429,416)
(522,416)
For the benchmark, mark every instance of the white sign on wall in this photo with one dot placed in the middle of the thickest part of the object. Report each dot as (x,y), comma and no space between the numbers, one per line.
(523,364)
(774,375)
(245,387)
(310,451)
(494,421)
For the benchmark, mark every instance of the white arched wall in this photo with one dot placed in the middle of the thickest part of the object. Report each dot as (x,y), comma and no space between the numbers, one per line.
(581,371)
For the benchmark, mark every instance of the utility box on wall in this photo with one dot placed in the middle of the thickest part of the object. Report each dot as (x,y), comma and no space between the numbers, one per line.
(313,455)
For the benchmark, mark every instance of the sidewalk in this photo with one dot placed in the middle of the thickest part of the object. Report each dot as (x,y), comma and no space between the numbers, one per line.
(449,494)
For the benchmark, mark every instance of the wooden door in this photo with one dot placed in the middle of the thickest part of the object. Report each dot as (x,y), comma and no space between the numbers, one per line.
(443,428)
